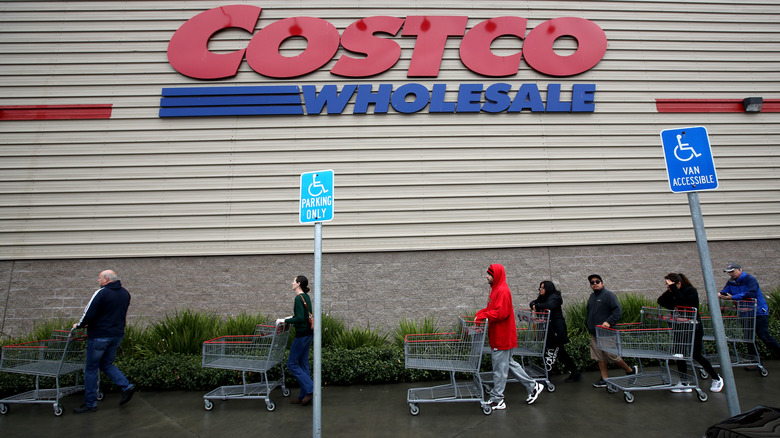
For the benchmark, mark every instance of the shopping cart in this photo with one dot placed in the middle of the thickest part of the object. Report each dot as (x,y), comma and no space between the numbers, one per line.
(248,353)
(531,340)
(665,335)
(459,351)
(64,353)
(739,325)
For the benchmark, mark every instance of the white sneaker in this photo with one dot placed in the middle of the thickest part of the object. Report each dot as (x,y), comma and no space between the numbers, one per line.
(498,406)
(538,388)
(717,385)
(681,390)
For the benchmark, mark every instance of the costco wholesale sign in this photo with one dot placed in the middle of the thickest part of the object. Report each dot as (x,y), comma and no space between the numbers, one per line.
(374,40)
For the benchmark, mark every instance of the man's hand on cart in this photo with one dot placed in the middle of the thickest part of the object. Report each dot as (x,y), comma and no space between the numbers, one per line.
(280,321)
(605,324)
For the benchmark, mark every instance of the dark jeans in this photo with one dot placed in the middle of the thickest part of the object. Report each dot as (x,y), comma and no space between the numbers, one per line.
(762,332)
(100,357)
(298,364)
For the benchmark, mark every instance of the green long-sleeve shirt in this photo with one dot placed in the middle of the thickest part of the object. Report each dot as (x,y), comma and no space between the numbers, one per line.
(300,318)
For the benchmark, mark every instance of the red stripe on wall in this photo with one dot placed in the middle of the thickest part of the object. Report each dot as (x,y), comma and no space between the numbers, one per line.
(711,106)
(55,112)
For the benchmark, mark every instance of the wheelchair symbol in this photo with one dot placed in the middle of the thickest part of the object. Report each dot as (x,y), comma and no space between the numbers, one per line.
(316,185)
(684,147)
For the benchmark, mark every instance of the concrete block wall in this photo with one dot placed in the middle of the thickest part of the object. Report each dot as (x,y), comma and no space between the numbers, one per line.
(363,289)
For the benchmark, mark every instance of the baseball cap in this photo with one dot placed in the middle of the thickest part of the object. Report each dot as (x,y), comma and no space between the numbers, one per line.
(732,266)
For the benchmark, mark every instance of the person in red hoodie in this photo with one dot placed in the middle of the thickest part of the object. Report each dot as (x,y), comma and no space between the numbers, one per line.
(502,334)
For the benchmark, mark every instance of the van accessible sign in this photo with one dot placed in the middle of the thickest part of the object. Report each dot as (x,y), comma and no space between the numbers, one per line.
(688,159)
(370,48)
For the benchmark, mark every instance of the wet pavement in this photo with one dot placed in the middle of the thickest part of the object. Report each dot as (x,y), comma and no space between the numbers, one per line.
(573,410)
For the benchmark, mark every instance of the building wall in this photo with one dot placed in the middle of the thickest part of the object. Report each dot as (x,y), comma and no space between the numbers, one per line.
(202,212)
(137,185)
(372,290)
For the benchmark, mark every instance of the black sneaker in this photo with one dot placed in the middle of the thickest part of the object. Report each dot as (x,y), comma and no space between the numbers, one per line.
(127,394)
(84,409)
(574,377)
(601,383)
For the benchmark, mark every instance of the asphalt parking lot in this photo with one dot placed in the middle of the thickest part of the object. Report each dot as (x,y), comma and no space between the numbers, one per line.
(573,410)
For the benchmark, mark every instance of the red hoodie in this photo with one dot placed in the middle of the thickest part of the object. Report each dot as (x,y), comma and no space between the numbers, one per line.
(502,331)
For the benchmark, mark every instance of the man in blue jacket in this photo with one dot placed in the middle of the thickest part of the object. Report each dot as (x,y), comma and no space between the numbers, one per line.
(105,318)
(744,286)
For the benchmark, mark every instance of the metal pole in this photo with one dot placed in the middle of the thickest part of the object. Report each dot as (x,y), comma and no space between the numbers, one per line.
(712,297)
(317,421)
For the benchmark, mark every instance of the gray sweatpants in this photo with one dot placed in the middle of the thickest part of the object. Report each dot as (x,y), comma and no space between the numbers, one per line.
(503,364)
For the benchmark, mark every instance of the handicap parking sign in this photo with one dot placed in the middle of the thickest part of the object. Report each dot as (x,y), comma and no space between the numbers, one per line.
(316,200)
(688,158)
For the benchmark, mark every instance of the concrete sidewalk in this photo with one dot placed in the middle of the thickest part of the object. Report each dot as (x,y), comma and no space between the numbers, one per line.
(573,410)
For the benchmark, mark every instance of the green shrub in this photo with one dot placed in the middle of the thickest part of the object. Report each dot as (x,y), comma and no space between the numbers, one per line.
(773,301)
(134,337)
(632,306)
(183,332)
(243,324)
(358,338)
(429,324)
(576,315)
(42,330)
(332,327)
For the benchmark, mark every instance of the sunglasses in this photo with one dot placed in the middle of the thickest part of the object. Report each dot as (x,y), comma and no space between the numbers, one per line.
(595,282)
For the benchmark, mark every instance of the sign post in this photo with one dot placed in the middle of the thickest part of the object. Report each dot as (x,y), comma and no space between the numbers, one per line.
(690,167)
(316,206)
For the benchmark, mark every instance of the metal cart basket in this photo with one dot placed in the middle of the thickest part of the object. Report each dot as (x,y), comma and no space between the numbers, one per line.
(64,353)
(247,353)
(739,325)
(453,352)
(531,340)
(665,335)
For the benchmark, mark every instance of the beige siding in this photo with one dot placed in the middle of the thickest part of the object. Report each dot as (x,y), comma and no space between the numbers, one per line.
(137,185)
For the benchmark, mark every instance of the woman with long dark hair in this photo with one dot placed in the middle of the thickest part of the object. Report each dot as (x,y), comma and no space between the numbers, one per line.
(681,293)
(298,360)
(557,336)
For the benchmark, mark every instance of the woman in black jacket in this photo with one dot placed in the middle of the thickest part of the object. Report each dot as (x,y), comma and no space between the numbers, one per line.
(557,336)
(681,293)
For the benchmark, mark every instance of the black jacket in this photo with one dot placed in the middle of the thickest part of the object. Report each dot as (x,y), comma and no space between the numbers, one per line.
(553,302)
(106,312)
(688,296)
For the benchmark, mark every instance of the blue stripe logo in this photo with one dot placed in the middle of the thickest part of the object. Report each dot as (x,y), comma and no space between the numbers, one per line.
(231,101)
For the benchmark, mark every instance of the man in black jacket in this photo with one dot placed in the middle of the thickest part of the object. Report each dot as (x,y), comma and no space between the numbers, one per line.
(105,319)
(604,310)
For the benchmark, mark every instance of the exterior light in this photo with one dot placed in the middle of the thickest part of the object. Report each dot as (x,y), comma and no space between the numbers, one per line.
(753,104)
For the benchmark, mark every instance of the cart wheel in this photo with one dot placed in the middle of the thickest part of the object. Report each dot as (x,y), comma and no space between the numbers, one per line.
(628,397)
(3,408)
(764,372)
(208,405)
(414,409)
(100,395)
(703,396)
(57,410)
(703,374)
(611,390)
(550,387)
(487,409)
(270,405)
(285,392)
